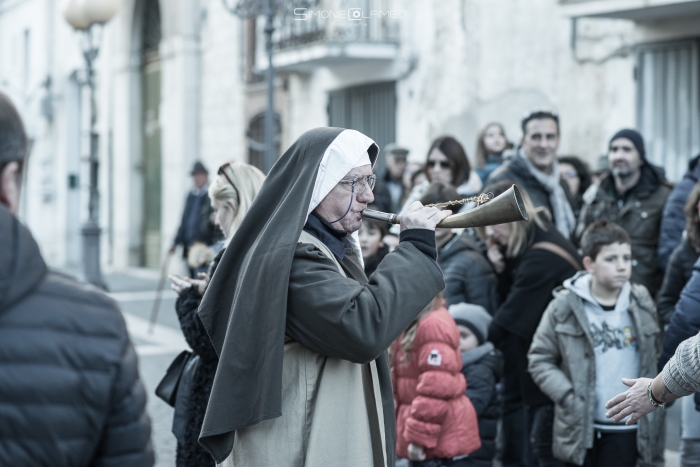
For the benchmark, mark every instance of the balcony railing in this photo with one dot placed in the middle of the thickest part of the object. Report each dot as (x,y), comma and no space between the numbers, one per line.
(333,32)
(327,21)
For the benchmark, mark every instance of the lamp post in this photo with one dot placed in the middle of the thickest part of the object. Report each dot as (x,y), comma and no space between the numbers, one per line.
(85,16)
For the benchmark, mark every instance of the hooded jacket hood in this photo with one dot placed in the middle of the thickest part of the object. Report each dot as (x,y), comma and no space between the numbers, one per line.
(580,284)
(21,266)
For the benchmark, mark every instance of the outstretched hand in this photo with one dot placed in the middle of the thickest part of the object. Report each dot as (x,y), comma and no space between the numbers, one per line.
(417,216)
(634,401)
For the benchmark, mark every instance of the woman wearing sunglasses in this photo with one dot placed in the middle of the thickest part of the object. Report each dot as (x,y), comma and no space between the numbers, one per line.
(448,164)
(231,193)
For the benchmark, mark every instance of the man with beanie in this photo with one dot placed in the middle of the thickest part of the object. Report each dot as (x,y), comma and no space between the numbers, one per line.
(632,195)
(482,367)
(70,393)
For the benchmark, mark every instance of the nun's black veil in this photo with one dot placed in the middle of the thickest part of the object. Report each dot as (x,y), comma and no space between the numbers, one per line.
(245,305)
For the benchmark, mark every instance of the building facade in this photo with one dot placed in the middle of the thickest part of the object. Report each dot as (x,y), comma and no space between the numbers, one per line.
(182,80)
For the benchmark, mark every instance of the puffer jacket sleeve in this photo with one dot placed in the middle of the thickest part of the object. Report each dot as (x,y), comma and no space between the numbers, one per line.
(471,280)
(544,357)
(673,220)
(685,321)
(439,381)
(482,386)
(126,439)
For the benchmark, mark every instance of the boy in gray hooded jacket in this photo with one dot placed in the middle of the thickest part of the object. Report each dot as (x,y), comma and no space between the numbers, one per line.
(598,328)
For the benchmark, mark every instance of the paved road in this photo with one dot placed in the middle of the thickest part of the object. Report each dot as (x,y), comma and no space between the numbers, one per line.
(135,293)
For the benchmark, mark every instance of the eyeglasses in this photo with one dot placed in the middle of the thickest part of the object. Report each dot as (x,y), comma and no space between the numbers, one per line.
(359,185)
(221,171)
(443,164)
(569,174)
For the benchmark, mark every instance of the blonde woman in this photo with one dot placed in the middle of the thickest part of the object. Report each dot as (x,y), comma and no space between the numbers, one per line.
(531,258)
(231,193)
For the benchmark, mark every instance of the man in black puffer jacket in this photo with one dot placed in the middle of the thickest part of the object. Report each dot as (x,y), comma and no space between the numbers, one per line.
(70,393)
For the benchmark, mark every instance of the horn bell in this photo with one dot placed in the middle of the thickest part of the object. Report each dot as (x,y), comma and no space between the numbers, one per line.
(504,208)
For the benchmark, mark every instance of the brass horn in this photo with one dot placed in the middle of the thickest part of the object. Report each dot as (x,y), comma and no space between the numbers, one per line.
(507,207)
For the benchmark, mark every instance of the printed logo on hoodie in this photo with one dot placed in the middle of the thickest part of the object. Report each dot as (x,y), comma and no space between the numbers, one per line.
(606,337)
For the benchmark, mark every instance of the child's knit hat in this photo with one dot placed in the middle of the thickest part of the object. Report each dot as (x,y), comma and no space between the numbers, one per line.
(475,317)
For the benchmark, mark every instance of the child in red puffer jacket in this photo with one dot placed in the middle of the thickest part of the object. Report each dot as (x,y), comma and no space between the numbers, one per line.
(435,421)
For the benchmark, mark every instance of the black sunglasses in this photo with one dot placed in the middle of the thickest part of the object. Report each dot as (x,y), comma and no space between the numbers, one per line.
(443,164)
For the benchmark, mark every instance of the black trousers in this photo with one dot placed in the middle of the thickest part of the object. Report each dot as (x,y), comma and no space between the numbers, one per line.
(612,450)
(541,427)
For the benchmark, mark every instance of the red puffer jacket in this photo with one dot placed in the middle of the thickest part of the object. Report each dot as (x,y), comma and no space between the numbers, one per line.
(431,408)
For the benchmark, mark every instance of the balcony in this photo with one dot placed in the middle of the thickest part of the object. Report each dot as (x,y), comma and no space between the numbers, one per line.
(635,10)
(326,35)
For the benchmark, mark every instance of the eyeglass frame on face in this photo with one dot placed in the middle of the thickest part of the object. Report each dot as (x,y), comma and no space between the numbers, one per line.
(369,180)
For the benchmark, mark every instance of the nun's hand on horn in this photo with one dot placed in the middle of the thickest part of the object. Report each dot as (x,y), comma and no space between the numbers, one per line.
(417,216)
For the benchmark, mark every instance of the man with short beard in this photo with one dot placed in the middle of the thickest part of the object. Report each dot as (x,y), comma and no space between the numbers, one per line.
(632,195)
(535,169)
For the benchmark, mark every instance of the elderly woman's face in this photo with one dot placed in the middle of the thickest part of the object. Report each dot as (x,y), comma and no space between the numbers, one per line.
(337,201)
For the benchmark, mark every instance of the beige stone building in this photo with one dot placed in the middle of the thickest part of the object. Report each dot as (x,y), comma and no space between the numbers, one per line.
(182,80)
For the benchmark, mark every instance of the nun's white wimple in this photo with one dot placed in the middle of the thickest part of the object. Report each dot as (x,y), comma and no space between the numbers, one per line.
(347,151)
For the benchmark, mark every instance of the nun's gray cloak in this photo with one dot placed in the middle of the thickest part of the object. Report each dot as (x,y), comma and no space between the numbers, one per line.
(291,314)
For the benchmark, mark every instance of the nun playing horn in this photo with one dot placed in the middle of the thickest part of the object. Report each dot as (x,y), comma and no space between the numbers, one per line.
(301,333)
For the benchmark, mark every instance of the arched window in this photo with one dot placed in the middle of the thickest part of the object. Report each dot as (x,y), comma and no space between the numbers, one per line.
(256,140)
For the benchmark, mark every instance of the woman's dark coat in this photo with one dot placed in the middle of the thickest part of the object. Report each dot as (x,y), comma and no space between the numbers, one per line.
(469,276)
(528,282)
(678,272)
(191,453)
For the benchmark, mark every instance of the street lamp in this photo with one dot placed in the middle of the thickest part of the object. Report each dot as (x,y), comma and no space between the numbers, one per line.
(84,16)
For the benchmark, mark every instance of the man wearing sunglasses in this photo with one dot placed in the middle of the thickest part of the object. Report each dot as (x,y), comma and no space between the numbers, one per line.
(535,169)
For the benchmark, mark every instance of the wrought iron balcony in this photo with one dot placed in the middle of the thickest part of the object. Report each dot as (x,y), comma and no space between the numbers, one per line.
(328,33)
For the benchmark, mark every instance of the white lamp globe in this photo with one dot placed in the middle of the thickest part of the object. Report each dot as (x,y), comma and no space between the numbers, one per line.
(74,13)
(100,11)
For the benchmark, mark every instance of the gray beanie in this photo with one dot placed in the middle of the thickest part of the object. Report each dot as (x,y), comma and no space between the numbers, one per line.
(475,317)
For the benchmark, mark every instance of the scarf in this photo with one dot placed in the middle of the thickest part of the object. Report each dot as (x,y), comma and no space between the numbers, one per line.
(564,219)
